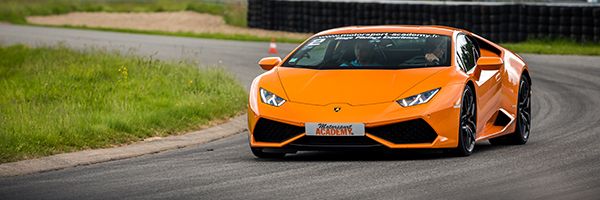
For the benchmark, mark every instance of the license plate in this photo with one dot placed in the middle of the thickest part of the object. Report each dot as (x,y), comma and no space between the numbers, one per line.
(335,129)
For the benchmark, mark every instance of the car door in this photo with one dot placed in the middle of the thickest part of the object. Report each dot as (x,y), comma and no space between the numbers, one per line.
(487,82)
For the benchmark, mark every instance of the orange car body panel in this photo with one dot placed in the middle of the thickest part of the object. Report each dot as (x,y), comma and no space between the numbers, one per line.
(312,94)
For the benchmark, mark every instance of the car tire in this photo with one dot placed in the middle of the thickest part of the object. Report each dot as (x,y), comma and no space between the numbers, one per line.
(467,124)
(523,129)
(259,153)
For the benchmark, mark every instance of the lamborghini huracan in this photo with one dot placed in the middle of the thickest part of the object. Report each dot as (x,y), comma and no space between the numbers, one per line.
(390,87)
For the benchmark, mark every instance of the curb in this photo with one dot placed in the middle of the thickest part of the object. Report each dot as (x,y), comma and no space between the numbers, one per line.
(61,161)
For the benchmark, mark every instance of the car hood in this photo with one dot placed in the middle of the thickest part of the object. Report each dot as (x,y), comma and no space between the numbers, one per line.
(354,87)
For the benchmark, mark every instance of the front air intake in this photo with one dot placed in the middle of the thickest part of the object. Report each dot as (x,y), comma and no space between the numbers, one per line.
(272,131)
(408,132)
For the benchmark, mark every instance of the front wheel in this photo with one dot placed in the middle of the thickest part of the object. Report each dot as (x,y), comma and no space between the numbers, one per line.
(468,125)
(258,152)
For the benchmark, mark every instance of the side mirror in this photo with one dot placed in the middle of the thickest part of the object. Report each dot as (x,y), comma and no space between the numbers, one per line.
(269,62)
(489,63)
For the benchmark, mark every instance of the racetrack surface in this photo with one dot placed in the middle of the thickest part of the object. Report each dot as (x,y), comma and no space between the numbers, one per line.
(560,161)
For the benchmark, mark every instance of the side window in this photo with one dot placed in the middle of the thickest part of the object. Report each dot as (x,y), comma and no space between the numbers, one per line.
(466,53)
(476,50)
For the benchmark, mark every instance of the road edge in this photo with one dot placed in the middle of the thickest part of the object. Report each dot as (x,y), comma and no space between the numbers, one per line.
(87,157)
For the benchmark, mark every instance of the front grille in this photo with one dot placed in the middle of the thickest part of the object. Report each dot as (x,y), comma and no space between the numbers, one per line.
(408,132)
(271,131)
(335,141)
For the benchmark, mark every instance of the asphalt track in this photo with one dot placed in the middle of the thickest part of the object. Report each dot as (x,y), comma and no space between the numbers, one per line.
(561,160)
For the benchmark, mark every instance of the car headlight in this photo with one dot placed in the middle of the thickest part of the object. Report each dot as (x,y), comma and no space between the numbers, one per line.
(270,98)
(418,99)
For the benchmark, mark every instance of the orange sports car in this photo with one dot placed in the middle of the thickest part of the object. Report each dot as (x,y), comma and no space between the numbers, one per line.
(390,87)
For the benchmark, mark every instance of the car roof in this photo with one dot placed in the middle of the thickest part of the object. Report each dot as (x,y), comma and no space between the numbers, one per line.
(431,29)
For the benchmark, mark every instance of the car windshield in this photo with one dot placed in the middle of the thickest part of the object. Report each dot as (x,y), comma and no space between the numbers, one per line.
(372,51)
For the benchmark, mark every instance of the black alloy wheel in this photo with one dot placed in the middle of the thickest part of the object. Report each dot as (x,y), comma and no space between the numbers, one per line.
(468,126)
(521,134)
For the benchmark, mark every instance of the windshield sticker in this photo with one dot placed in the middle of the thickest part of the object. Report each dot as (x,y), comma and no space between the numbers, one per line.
(293,60)
(375,36)
(316,42)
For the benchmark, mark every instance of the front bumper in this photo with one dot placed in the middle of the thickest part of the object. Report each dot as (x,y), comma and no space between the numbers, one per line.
(431,125)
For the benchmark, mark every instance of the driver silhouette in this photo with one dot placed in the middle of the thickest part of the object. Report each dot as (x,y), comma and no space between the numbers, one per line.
(437,53)
(363,55)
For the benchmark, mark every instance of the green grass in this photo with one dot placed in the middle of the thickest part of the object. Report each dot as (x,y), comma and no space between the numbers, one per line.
(15,11)
(221,36)
(554,46)
(55,100)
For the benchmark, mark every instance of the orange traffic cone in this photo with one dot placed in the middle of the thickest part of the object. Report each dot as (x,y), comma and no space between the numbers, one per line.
(273,47)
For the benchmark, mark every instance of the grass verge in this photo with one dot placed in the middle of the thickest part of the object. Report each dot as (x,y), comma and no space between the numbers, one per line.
(546,46)
(220,36)
(15,11)
(55,100)
(555,46)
